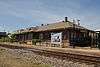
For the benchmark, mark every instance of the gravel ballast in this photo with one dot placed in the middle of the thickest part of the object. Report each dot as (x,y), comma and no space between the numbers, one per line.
(20,57)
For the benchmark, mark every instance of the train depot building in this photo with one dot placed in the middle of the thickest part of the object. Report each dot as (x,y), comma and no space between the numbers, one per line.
(59,34)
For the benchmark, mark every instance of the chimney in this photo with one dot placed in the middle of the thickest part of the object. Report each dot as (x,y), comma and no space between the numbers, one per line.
(73,21)
(47,24)
(78,21)
(66,19)
(42,24)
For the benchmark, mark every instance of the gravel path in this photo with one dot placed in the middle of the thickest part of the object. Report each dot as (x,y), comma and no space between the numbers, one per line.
(28,58)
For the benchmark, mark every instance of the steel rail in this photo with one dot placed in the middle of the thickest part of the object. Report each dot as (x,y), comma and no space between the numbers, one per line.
(58,54)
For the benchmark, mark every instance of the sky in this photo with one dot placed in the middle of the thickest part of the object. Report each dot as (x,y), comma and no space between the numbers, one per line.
(17,14)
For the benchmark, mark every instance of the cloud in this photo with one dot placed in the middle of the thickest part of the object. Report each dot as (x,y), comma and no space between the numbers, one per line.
(29,12)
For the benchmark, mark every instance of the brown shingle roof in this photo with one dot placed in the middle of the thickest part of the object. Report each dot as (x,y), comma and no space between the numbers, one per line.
(59,25)
(53,26)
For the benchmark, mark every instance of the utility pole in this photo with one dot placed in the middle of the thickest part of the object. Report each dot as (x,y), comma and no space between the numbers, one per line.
(3,28)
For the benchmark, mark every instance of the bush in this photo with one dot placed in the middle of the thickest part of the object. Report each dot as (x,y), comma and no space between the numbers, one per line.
(98,41)
(5,39)
(8,39)
(34,41)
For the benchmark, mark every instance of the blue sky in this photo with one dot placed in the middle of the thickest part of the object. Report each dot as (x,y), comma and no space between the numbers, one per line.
(17,14)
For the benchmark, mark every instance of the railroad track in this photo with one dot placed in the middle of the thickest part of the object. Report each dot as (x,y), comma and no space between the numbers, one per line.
(60,55)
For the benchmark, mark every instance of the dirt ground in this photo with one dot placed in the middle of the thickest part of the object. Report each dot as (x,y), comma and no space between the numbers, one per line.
(24,58)
(9,60)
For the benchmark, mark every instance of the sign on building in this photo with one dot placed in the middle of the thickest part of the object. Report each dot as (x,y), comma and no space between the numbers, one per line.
(56,38)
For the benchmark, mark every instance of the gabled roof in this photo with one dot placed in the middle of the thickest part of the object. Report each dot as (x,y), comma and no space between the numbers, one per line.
(53,26)
(59,25)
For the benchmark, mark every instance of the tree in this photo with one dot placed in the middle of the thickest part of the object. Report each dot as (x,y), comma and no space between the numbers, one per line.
(98,41)
(13,38)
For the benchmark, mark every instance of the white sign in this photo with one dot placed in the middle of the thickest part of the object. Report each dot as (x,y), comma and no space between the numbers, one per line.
(56,38)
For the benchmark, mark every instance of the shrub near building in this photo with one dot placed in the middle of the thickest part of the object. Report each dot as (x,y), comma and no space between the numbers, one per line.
(98,41)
